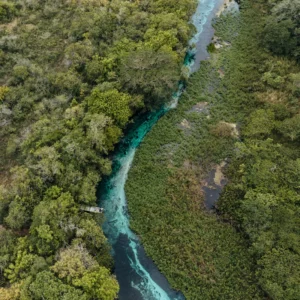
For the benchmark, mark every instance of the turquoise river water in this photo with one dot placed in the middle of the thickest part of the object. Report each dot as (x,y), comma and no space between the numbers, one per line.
(136,273)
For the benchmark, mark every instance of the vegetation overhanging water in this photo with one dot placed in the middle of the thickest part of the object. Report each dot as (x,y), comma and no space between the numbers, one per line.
(137,274)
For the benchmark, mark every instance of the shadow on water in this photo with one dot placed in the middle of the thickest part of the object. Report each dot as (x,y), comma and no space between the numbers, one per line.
(137,274)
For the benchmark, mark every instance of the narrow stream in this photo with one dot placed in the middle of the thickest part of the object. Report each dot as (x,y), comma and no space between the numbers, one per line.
(138,276)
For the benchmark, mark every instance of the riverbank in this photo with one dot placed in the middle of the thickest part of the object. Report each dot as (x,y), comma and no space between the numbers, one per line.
(199,254)
(228,5)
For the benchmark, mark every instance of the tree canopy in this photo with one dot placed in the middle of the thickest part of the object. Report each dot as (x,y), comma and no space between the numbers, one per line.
(73,75)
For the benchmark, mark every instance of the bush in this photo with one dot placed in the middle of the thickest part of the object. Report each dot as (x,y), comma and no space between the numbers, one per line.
(7,11)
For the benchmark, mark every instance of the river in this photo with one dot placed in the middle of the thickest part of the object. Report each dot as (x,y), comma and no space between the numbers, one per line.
(137,274)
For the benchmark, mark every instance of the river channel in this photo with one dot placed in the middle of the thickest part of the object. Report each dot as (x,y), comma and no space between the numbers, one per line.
(137,274)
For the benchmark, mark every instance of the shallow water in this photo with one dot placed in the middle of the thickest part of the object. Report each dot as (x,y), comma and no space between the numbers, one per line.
(138,276)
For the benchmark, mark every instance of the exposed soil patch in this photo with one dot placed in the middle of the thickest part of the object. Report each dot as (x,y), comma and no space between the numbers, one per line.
(213,185)
(201,107)
(225,129)
(185,124)
(219,43)
(9,26)
(221,73)
(234,129)
(273,97)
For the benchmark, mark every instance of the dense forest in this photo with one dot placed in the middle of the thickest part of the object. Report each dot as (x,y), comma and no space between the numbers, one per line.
(73,74)
(262,199)
(248,246)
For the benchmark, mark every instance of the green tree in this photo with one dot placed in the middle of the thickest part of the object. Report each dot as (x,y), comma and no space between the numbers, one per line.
(47,287)
(7,242)
(47,164)
(98,284)
(171,21)
(100,69)
(112,103)
(73,262)
(162,39)
(66,81)
(90,233)
(278,36)
(77,266)
(101,132)
(7,11)
(281,34)
(11,293)
(20,73)
(261,123)
(290,128)
(79,53)
(257,216)
(4,90)
(294,86)
(153,74)
(4,203)
(21,266)
(18,216)
(52,223)
(279,274)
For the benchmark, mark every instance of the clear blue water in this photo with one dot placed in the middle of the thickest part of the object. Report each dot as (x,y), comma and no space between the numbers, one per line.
(136,273)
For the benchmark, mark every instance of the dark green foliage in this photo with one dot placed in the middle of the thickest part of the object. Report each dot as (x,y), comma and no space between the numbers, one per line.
(261,123)
(281,33)
(290,128)
(47,286)
(73,73)
(277,36)
(7,11)
(211,47)
(262,199)
(69,87)
(112,103)
(8,240)
(279,274)
(151,73)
